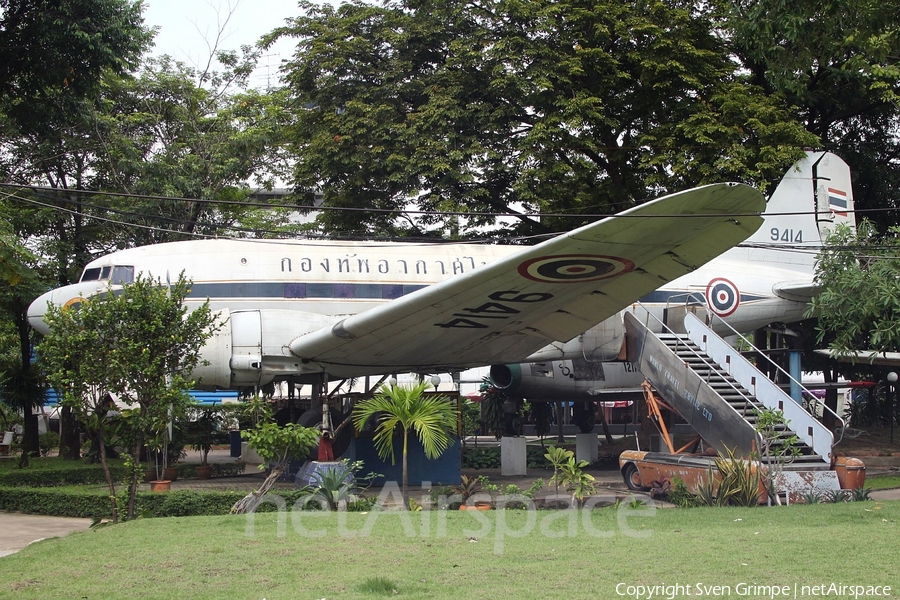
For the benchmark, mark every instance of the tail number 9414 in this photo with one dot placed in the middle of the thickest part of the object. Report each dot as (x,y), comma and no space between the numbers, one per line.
(791,236)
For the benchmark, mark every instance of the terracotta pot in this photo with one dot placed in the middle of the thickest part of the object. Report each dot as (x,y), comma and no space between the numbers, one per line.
(162,485)
(170,473)
(476,506)
(204,472)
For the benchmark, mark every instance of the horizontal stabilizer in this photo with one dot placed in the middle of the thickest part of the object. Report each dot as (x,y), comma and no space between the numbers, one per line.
(886,359)
(797,291)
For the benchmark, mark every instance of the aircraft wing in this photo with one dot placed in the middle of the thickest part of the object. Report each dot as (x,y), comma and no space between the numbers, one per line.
(505,310)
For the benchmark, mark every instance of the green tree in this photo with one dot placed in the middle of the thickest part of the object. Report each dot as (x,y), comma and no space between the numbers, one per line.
(63,47)
(858,305)
(54,56)
(838,65)
(76,355)
(139,343)
(277,446)
(432,418)
(557,107)
(777,449)
(21,384)
(189,143)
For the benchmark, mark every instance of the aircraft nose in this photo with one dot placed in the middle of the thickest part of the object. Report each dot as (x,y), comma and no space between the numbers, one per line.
(36,312)
(69,296)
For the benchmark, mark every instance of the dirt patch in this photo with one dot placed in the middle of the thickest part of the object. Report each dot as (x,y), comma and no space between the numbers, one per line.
(869,441)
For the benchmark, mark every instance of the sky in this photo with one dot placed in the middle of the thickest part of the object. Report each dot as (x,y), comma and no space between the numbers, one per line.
(188,27)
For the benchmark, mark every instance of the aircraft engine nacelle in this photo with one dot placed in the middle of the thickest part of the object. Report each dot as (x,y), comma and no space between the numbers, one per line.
(602,342)
(568,380)
(251,347)
(605,341)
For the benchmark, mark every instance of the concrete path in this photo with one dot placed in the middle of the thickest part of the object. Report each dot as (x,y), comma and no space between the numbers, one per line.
(17,530)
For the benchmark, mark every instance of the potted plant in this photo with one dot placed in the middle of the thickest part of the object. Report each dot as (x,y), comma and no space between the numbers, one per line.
(166,450)
(468,489)
(206,426)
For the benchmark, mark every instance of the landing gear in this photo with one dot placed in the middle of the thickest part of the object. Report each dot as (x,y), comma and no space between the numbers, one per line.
(584,417)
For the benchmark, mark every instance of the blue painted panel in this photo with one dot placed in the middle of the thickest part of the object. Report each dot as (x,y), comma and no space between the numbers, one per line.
(444,470)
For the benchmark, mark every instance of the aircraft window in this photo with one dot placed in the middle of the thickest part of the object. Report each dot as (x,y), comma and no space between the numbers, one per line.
(295,290)
(92,274)
(368,290)
(123,275)
(409,289)
(104,274)
(391,291)
(344,290)
(320,290)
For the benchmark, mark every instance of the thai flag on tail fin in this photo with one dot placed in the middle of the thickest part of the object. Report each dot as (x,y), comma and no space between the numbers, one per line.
(837,202)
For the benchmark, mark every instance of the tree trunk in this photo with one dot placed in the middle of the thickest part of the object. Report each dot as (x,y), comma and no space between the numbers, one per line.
(69,446)
(133,476)
(405,489)
(605,425)
(831,399)
(30,443)
(109,480)
(251,501)
(560,438)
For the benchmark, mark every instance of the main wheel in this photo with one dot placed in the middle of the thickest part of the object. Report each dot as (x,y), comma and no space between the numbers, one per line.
(584,417)
(633,478)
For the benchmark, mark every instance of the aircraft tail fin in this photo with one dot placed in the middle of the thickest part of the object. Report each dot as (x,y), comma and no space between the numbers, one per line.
(813,198)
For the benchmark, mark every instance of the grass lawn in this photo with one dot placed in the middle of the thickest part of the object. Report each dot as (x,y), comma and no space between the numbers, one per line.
(883,482)
(472,555)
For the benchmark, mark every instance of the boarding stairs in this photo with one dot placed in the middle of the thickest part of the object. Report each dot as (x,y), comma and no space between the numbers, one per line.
(717,391)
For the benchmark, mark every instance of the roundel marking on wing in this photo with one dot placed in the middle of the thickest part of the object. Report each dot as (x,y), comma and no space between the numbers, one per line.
(574,268)
(722,297)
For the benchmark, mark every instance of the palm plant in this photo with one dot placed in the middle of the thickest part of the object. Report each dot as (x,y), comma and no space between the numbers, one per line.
(433,418)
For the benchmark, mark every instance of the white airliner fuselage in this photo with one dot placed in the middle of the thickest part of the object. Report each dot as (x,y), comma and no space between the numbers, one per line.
(300,308)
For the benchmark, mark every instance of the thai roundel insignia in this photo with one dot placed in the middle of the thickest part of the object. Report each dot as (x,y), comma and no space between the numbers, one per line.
(574,268)
(722,297)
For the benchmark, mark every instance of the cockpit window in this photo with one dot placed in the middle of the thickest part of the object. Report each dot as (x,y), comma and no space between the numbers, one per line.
(115,275)
(122,275)
(91,274)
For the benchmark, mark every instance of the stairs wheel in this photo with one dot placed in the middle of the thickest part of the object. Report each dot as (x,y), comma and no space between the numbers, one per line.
(633,478)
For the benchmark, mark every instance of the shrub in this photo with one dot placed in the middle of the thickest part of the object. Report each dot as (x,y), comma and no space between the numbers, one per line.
(481,458)
(58,503)
(77,474)
(95,505)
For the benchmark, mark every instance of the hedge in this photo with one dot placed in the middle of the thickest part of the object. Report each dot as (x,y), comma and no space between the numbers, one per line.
(93,474)
(71,475)
(181,503)
(57,503)
(488,457)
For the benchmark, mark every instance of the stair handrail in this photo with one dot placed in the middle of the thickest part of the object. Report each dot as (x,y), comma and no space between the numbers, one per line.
(707,361)
(813,399)
(679,341)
